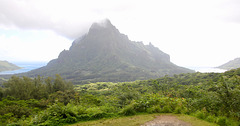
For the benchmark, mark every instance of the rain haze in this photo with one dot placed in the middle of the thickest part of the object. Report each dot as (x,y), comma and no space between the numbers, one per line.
(193,33)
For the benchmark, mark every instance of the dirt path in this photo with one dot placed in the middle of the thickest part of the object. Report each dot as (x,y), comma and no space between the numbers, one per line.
(166,120)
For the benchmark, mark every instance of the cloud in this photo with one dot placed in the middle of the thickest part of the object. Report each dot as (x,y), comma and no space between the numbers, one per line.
(22,14)
(72,18)
(230,11)
(181,28)
(69,18)
(25,47)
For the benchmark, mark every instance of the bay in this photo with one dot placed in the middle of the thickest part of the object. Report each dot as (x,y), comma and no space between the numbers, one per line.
(207,69)
(28,66)
(25,67)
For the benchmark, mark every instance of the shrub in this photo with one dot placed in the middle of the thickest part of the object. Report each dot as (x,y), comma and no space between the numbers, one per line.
(70,119)
(200,115)
(211,118)
(14,124)
(18,111)
(128,110)
(78,109)
(178,110)
(166,109)
(56,114)
(95,113)
(222,121)
(154,109)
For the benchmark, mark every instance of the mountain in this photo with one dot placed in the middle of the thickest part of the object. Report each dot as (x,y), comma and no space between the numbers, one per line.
(104,54)
(233,64)
(6,66)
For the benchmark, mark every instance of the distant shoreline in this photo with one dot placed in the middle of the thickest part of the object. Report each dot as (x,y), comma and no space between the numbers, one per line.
(28,66)
(24,67)
(207,69)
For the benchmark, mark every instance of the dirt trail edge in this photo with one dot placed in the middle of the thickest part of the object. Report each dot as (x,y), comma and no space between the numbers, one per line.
(166,120)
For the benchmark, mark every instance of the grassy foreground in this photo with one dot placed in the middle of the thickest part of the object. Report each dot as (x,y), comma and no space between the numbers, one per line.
(137,120)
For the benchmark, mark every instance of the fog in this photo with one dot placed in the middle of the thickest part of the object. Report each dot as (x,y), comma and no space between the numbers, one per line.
(194,33)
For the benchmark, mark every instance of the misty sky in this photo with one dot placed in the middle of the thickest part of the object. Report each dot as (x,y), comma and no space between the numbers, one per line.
(192,32)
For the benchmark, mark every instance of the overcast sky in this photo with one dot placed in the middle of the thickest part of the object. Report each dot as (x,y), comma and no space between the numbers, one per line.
(192,32)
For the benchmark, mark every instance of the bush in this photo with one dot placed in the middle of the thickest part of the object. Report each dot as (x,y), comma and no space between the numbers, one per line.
(222,121)
(166,109)
(181,110)
(128,110)
(70,119)
(14,124)
(142,105)
(109,109)
(56,114)
(200,115)
(211,118)
(178,110)
(154,109)
(95,113)
(78,109)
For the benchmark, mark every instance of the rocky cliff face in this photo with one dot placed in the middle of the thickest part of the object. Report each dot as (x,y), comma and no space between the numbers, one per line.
(104,54)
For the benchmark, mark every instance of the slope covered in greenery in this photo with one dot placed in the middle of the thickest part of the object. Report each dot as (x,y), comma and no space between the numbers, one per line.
(6,66)
(213,97)
(233,64)
(104,54)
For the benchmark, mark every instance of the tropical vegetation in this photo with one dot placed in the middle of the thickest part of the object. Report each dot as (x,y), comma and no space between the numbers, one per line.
(214,97)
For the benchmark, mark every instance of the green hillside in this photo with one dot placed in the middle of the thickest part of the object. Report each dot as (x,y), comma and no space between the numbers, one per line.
(213,97)
(6,66)
(233,64)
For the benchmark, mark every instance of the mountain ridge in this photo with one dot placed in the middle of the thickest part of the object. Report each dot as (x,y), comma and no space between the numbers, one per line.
(232,64)
(105,54)
(7,66)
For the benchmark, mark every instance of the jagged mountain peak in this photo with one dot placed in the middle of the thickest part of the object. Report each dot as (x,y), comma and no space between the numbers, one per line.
(100,34)
(104,24)
(105,54)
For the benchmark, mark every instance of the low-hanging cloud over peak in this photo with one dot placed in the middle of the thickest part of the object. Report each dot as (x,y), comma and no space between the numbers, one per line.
(176,27)
(72,18)
(69,18)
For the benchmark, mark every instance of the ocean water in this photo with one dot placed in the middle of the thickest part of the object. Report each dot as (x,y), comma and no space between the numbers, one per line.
(207,69)
(26,66)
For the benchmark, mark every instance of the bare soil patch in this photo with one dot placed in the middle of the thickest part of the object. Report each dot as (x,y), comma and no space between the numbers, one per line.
(166,120)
